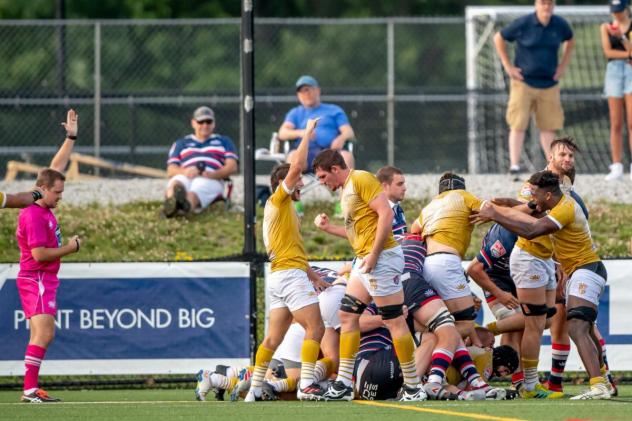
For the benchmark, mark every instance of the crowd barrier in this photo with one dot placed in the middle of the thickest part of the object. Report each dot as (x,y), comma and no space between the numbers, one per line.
(136,318)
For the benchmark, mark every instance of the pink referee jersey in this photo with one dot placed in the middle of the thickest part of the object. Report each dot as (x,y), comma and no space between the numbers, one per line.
(37,227)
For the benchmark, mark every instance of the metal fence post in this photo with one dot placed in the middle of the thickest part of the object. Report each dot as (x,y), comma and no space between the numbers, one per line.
(97,92)
(390,94)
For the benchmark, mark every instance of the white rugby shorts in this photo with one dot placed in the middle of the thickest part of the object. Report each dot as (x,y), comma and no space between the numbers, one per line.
(290,288)
(443,271)
(529,271)
(385,279)
(585,284)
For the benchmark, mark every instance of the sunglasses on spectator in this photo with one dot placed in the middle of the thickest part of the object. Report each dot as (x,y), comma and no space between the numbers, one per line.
(205,122)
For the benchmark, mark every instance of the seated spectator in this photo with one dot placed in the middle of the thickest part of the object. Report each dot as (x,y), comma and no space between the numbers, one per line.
(197,165)
(333,127)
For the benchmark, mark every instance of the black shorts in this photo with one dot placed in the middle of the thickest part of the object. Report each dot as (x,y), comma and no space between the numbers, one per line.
(504,283)
(417,292)
(378,375)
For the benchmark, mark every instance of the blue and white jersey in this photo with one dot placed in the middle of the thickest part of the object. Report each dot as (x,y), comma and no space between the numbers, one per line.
(399,219)
(374,340)
(213,152)
(326,274)
(494,255)
(414,254)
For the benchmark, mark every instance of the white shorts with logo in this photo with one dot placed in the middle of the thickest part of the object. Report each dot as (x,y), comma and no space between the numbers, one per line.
(290,288)
(205,189)
(585,284)
(443,271)
(385,279)
(529,271)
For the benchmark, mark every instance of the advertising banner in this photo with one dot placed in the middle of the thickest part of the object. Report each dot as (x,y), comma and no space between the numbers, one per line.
(135,318)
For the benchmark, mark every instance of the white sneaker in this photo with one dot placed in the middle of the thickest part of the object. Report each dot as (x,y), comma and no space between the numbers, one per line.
(203,384)
(598,391)
(616,172)
(251,397)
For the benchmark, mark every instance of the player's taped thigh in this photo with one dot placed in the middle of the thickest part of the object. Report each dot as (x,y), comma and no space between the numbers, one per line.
(550,312)
(586,313)
(391,312)
(350,304)
(532,310)
(466,314)
(440,319)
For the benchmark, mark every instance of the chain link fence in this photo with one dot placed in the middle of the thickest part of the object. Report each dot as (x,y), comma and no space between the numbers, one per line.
(135,84)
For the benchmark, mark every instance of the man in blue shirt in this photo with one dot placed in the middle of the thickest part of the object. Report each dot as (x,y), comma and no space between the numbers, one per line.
(333,127)
(197,165)
(535,75)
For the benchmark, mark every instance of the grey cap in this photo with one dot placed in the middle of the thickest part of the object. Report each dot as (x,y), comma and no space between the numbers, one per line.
(203,113)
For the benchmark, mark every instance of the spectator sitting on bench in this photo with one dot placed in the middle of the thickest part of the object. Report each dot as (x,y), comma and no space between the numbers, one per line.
(197,165)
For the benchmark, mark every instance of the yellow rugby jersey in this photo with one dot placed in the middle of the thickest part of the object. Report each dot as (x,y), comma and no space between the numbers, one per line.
(360,188)
(446,219)
(281,232)
(573,242)
(3,199)
(483,361)
(541,246)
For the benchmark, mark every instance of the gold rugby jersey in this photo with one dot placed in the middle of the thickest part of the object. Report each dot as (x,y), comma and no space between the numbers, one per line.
(281,232)
(360,188)
(483,361)
(446,219)
(541,246)
(3,199)
(573,242)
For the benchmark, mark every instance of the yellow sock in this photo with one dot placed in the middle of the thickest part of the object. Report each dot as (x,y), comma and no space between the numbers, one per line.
(309,355)
(349,345)
(530,369)
(603,370)
(233,381)
(405,350)
(597,380)
(493,328)
(262,360)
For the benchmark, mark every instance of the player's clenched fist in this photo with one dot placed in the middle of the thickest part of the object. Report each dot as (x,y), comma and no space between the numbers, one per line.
(322,221)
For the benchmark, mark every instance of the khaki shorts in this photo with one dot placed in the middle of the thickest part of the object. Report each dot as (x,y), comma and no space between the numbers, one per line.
(545,103)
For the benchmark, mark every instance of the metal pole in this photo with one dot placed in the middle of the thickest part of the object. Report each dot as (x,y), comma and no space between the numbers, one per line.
(60,13)
(97,92)
(247,114)
(390,101)
(472,100)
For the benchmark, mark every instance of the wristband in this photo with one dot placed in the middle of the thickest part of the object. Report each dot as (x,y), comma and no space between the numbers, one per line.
(71,137)
(37,195)
(77,242)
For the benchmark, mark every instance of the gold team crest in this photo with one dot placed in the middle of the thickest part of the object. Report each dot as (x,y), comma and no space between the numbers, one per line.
(582,288)
(373,284)
(534,277)
(460,287)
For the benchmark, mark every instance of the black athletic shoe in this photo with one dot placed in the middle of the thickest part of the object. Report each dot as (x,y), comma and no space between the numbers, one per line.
(180,194)
(39,396)
(313,392)
(338,391)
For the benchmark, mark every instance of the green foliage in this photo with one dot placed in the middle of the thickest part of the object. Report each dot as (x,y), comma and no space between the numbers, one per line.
(134,232)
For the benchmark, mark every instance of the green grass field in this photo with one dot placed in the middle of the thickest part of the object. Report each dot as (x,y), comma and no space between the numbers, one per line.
(179,404)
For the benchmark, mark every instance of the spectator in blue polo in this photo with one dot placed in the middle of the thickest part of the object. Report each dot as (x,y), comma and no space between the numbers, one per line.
(333,128)
(534,75)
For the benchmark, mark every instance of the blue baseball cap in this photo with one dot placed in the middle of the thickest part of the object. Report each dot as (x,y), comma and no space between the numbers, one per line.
(617,6)
(306,80)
